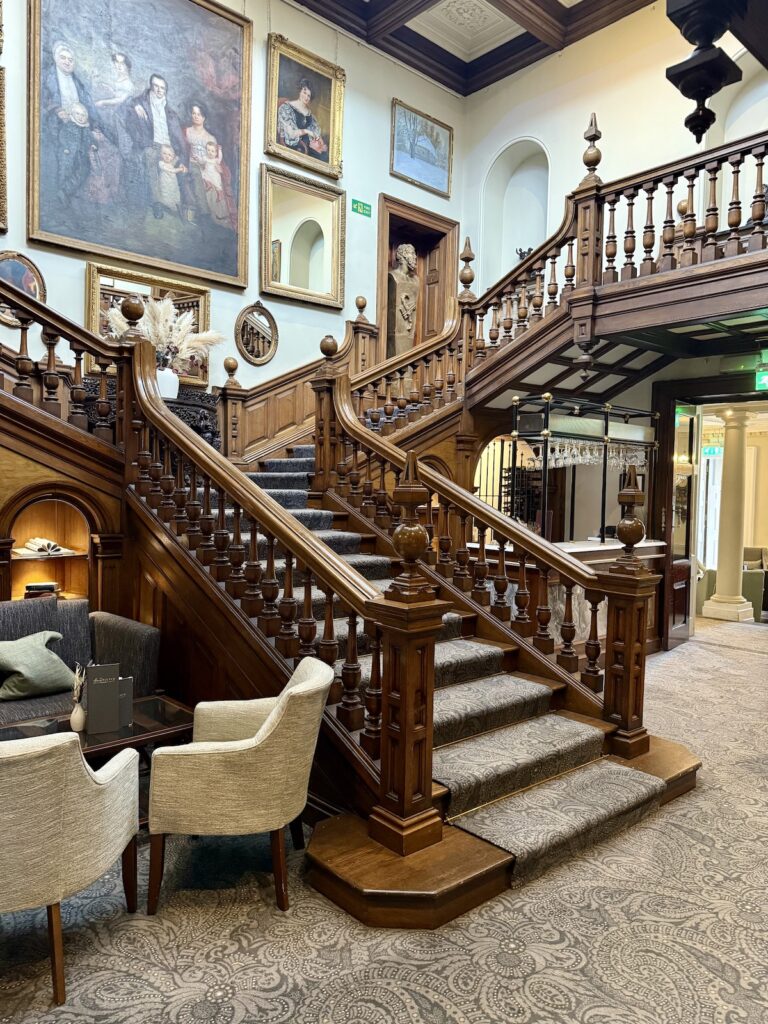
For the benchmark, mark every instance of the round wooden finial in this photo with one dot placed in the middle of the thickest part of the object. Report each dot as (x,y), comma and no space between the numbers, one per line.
(467,274)
(329,346)
(361,302)
(682,208)
(230,365)
(132,309)
(592,155)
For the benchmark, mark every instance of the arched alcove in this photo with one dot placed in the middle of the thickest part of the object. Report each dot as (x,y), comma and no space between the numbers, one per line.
(515,205)
(307,257)
(741,109)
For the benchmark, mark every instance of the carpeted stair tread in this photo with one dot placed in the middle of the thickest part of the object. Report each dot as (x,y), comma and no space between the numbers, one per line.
(456,661)
(370,566)
(296,465)
(451,628)
(556,819)
(315,519)
(495,764)
(280,481)
(468,709)
(303,451)
(289,498)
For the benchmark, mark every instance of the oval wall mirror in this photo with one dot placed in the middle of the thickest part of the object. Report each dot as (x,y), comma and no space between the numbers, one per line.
(19,270)
(256,334)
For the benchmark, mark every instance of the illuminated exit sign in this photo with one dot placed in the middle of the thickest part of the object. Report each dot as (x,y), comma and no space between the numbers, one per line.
(761,379)
(712,451)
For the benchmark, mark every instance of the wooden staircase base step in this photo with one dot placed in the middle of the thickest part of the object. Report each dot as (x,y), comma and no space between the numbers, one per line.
(423,890)
(667,760)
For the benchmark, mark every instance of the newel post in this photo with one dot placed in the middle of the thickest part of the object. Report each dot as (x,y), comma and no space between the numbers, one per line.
(409,619)
(325,416)
(466,298)
(365,351)
(589,214)
(232,410)
(630,586)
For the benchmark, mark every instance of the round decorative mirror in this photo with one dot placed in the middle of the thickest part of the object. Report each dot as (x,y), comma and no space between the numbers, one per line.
(256,334)
(20,271)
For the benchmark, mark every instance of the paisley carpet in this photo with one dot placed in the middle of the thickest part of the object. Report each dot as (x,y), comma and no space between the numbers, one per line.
(664,924)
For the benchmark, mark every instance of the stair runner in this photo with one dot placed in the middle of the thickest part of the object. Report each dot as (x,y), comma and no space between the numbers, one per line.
(521,776)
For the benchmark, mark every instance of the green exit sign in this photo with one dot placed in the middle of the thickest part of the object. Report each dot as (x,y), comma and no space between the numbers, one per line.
(761,379)
(358,206)
(712,451)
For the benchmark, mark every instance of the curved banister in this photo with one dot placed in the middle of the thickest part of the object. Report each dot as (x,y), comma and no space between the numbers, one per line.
(511,530)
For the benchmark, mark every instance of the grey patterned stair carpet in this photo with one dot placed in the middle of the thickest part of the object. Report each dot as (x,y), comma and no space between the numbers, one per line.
(518,775)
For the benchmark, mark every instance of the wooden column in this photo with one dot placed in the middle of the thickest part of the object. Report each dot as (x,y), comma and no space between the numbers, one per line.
(589,214)
(107,551)
(409,619)
(323,385)
(232,409)
(630,586)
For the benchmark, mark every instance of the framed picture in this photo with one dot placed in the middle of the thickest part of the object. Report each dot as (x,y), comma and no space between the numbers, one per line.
(106,286)
(3,150)
(19,270)
(138,132)
(305,107)
(421,149)
(309,217)
(256,334)
(277,257)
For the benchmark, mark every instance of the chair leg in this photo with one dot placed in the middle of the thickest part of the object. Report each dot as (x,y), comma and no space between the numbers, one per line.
(56,943)
(297,833)
(156,865)
(130,875)
(279,868)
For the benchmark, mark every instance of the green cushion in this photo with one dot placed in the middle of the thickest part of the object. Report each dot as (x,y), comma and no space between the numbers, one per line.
(29,669)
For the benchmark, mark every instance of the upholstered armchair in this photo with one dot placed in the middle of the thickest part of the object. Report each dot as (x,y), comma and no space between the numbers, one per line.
(245,771)
(63,826)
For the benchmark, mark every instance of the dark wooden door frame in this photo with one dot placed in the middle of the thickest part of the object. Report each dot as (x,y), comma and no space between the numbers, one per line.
(736,388)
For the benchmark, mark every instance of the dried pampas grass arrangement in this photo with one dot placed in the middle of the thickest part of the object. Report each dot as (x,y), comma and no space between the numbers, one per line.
(171,333)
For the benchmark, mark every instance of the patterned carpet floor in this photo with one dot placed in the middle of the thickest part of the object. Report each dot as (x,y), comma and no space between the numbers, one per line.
(666,923)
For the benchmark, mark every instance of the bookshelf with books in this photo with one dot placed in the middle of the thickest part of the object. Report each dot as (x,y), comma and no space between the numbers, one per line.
(51,551)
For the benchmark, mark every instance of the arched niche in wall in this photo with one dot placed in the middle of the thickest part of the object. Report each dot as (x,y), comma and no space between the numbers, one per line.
(307,256)
(515,205)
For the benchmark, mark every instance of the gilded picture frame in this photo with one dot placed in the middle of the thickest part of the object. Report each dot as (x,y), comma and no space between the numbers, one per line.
(421,149)
(107,284)
(24,273)
(3,153)
(256,334)
(310,218)
(304,127)
(155,126)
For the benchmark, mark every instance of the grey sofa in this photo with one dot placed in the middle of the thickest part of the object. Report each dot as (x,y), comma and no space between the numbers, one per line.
(100,636)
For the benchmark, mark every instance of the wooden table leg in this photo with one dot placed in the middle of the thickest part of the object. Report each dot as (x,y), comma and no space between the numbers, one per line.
(279,867)
(56,943)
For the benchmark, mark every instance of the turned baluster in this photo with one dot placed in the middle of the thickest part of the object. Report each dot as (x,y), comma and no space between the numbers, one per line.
(757,238)
(368,505)
(569,271)
(388,423)
(402,401)
(342,469)
(252,601)
(522,594)
(180,520)
(500,607)
(357,396)
(522,310)
(689,257)
(542,639)
(373,387)
(350,711)
(50,402)
(426,387)
(711,250)
(370,738)
(611,274)
(307,624)
(103,406)
(24,365)
(356,491)
(194,508)
(567,657)
(414,405)
(439,400)
(480,592)
(235,582)
(374,417)
(668,260)
(444,562)
(167,485)
(591,675)
(269,616)
(155,493)
(537,299)
(395,509)
(450,377)
(220,567)
(733,246)
(143,463)
(493,330)
(206,549)
(552,286)
(629,270)
(461,575)
(382,517)
(328,648)
(480,352)
(287,640)
(507,322)
(648,266)
(77,414)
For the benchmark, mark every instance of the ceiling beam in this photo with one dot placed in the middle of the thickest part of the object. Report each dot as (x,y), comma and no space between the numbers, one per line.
(544,19)
(425,56)
(349,14)
(752,30)
(592,15)
(385,16)
(505,60)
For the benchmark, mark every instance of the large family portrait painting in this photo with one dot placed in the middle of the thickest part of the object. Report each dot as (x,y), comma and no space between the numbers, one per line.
(305,98)
(139,129)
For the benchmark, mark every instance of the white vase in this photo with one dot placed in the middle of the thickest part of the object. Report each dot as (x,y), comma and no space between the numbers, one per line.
(167,382)
(77,718)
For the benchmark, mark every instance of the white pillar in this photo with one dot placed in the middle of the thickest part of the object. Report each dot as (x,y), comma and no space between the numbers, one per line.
(728,602)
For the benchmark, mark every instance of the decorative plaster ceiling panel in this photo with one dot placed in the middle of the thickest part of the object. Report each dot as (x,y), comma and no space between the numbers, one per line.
(570,3)
(467,28)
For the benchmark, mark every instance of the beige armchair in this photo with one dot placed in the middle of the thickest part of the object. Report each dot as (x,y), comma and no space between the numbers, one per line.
(63,826)
(245,771)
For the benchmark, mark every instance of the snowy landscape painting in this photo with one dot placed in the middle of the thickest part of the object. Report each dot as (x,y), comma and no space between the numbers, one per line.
(422,149)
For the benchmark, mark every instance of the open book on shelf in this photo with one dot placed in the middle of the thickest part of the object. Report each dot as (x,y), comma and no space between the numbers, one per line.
(37,546)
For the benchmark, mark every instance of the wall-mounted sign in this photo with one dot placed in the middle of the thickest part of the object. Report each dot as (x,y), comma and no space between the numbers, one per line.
(712,451)
(761,379)
(358,206)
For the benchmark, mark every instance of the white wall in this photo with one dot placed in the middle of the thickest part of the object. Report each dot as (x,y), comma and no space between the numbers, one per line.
(372,80)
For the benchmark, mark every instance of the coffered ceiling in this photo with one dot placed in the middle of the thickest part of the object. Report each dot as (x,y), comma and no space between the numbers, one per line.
(469,44)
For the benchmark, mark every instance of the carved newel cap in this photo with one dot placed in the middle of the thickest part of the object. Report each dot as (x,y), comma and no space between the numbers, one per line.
(361,302)
(410,539)
(467,274)
(630,530)
(329,346)
(592,155)
(132,309)
(230,365)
